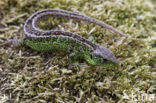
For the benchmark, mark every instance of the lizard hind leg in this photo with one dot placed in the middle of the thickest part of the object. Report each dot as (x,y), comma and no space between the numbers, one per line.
(13,42)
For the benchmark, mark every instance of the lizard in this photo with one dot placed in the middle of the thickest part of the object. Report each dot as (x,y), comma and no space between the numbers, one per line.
(77,46)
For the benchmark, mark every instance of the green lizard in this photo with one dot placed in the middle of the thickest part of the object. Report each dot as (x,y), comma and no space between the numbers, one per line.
(79,47)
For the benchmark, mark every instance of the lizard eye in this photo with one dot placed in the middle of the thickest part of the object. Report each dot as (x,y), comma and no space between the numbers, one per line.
(105,60)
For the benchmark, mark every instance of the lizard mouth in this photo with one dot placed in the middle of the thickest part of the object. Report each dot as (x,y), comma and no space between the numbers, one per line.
(114,60)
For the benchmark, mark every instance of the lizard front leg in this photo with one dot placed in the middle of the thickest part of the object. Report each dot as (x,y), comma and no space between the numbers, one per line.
(74,58)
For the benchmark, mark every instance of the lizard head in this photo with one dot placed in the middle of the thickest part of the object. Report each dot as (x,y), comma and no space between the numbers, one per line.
(102,56)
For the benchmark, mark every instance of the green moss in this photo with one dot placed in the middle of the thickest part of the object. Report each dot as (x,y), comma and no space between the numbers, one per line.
(30,76)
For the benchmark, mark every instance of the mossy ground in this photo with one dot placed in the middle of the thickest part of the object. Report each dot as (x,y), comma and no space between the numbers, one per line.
(30,76)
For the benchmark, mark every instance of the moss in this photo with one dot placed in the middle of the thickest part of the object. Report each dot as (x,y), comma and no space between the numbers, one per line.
(30,76)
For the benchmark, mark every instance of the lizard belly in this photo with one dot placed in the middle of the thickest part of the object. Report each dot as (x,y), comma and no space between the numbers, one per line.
(56,43)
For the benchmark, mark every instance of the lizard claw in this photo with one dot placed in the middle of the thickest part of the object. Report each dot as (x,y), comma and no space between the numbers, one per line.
(8,42)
